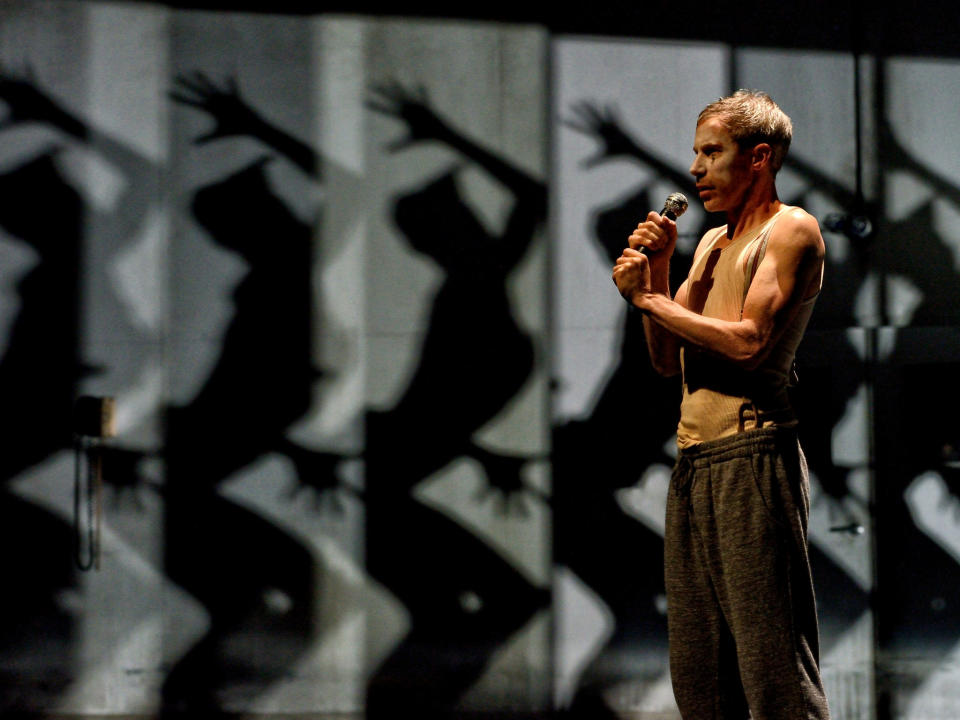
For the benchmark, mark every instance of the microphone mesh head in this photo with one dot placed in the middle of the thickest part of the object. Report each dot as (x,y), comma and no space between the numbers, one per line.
(676,203)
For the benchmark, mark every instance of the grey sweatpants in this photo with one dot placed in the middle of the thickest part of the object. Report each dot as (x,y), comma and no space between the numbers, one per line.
(740,605)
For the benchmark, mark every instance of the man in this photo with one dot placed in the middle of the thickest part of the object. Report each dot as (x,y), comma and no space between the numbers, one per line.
(741,612)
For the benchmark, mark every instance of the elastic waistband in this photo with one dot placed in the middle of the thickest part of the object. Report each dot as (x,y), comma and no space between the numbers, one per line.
(740,444)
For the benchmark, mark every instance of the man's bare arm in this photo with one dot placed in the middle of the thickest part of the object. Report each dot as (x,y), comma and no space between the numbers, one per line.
(663,345)
(789,273)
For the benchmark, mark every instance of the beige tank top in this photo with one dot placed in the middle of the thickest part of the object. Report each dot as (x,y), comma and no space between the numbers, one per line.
(720,399)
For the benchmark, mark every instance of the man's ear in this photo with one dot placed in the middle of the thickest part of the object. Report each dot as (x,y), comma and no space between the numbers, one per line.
(762,155)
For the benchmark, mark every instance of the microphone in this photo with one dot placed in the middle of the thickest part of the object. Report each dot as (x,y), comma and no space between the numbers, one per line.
(674,206)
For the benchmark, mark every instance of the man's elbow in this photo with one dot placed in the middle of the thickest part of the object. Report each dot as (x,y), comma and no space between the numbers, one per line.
(751,350)
(665,369)
(752,355)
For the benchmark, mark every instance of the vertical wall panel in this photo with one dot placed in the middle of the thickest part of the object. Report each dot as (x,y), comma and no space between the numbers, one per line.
(123,322)
(263,525)
(457,437)
(42,224)
(624,150)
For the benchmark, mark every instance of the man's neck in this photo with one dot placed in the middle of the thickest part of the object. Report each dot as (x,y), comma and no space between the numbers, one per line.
(758,207)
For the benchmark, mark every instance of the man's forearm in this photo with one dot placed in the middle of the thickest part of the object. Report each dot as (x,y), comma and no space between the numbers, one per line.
(742,343)
(662,345)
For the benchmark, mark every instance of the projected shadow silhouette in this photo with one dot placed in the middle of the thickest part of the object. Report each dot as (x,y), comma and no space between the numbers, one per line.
(628,428)
(38,376)
(225,555)
(464,600)
(41,370)
(256,581)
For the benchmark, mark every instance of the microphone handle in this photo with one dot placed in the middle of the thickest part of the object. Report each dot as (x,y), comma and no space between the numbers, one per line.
(665,213)
(668,213)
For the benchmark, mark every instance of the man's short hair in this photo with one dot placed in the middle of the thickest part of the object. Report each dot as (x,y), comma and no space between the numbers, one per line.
(752,117)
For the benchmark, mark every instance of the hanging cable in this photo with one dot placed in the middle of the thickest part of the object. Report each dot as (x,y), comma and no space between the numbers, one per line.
(86,504)
(93,421)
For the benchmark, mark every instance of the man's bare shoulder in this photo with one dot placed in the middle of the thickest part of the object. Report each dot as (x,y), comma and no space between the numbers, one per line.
(798,230)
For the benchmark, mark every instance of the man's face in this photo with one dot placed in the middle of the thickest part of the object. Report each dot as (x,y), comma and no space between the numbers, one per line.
(721,168)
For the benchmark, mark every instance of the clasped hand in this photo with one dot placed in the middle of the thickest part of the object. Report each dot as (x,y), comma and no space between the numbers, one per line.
(632,273)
